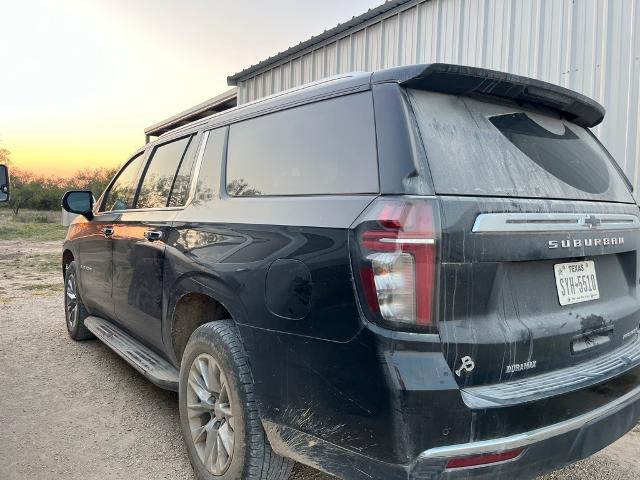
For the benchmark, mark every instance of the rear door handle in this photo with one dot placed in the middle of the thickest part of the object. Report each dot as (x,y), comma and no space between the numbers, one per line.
(107,231)
(153,235)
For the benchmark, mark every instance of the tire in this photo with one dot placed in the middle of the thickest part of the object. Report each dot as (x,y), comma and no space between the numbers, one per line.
(74,310)
(222,409)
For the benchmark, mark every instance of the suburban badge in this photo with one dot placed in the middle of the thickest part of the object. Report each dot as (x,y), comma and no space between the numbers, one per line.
(586,242)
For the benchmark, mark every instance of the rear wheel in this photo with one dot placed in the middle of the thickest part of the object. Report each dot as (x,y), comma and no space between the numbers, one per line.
(218,413)
(74,310)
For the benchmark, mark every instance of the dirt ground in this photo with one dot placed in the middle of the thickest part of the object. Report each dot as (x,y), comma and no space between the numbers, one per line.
(77,411)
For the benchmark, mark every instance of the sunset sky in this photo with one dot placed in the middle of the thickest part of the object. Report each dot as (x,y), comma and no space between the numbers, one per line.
(81,79)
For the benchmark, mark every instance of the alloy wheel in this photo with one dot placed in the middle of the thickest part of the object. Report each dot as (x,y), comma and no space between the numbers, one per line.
(210,412)
(71,300)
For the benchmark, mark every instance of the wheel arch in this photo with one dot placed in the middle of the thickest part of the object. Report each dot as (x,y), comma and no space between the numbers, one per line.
(192,310)
(67,258)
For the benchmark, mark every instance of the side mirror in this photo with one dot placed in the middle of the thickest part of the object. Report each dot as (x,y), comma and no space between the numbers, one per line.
(4,183)
(80,202)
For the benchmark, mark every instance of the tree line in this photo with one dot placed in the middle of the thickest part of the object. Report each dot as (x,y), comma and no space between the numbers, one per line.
(37,192)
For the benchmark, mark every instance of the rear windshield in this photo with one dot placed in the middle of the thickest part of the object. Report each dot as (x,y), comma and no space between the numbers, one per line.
(486,149)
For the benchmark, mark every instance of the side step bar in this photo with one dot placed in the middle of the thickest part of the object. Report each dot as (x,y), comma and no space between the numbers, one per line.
(146,361)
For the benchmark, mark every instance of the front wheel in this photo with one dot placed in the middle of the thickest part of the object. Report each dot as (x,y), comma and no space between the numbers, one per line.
(218,413)
(74,310)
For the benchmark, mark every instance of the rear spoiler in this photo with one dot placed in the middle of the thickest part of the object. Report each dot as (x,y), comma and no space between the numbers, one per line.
(472,81)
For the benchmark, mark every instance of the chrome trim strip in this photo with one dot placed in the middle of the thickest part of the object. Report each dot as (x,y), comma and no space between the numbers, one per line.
(409,241)
(550,222)
(531,437)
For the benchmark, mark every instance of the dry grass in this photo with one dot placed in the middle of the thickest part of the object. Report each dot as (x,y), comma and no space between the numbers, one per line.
(31,225)
(34,263)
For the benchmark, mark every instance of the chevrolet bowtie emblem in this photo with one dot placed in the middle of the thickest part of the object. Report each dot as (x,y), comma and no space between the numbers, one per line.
(589,221)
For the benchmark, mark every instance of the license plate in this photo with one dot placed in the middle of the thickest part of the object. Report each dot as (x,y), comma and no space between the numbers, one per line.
(576,282)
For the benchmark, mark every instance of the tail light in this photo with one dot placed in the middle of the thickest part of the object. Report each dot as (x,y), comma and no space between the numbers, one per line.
(395,261)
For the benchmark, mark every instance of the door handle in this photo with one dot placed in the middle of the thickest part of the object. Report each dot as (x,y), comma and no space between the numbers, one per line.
(107,231)
(153,235)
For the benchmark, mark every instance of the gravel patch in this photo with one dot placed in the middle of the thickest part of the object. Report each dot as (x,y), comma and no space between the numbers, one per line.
(77,411)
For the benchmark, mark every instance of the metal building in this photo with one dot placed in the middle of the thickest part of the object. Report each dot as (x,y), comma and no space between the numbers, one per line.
(592,46)
(219,103)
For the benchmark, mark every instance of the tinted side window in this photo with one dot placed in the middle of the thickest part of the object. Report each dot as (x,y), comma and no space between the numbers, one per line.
(208,182)
(121,193)
(160,173)
(180,190)
(328,147)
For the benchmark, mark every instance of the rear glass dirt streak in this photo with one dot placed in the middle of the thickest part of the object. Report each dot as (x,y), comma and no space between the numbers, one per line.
(488,149)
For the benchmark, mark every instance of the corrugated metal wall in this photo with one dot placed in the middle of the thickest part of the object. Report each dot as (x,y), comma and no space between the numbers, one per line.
(592,46)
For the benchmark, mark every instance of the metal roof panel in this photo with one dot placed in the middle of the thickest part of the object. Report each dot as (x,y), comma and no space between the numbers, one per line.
(216,104)
(337,30)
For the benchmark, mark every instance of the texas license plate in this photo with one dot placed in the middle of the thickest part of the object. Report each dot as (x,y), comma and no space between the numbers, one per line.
(576,282)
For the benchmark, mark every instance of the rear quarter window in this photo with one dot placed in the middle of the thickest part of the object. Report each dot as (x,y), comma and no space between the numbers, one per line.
(489,149)
(327,147)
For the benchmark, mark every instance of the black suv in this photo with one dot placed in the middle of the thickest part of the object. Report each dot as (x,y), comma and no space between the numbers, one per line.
(424,272)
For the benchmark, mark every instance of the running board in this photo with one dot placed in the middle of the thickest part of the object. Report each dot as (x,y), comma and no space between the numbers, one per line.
(146,361)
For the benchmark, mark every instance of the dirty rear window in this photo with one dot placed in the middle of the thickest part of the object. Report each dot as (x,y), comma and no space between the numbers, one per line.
(486,149)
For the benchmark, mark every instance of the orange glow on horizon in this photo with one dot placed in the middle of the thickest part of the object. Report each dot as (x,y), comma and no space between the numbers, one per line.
(81,80)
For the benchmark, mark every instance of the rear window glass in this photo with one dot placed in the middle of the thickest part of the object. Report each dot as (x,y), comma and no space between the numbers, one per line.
(486,149)
(327,147)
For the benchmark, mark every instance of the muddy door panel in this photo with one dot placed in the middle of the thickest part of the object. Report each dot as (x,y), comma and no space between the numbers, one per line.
(138,256)
(94,245)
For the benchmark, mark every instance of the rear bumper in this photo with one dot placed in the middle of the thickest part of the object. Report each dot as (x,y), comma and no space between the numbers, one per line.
(545,449)
(551,384)
(386,406)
